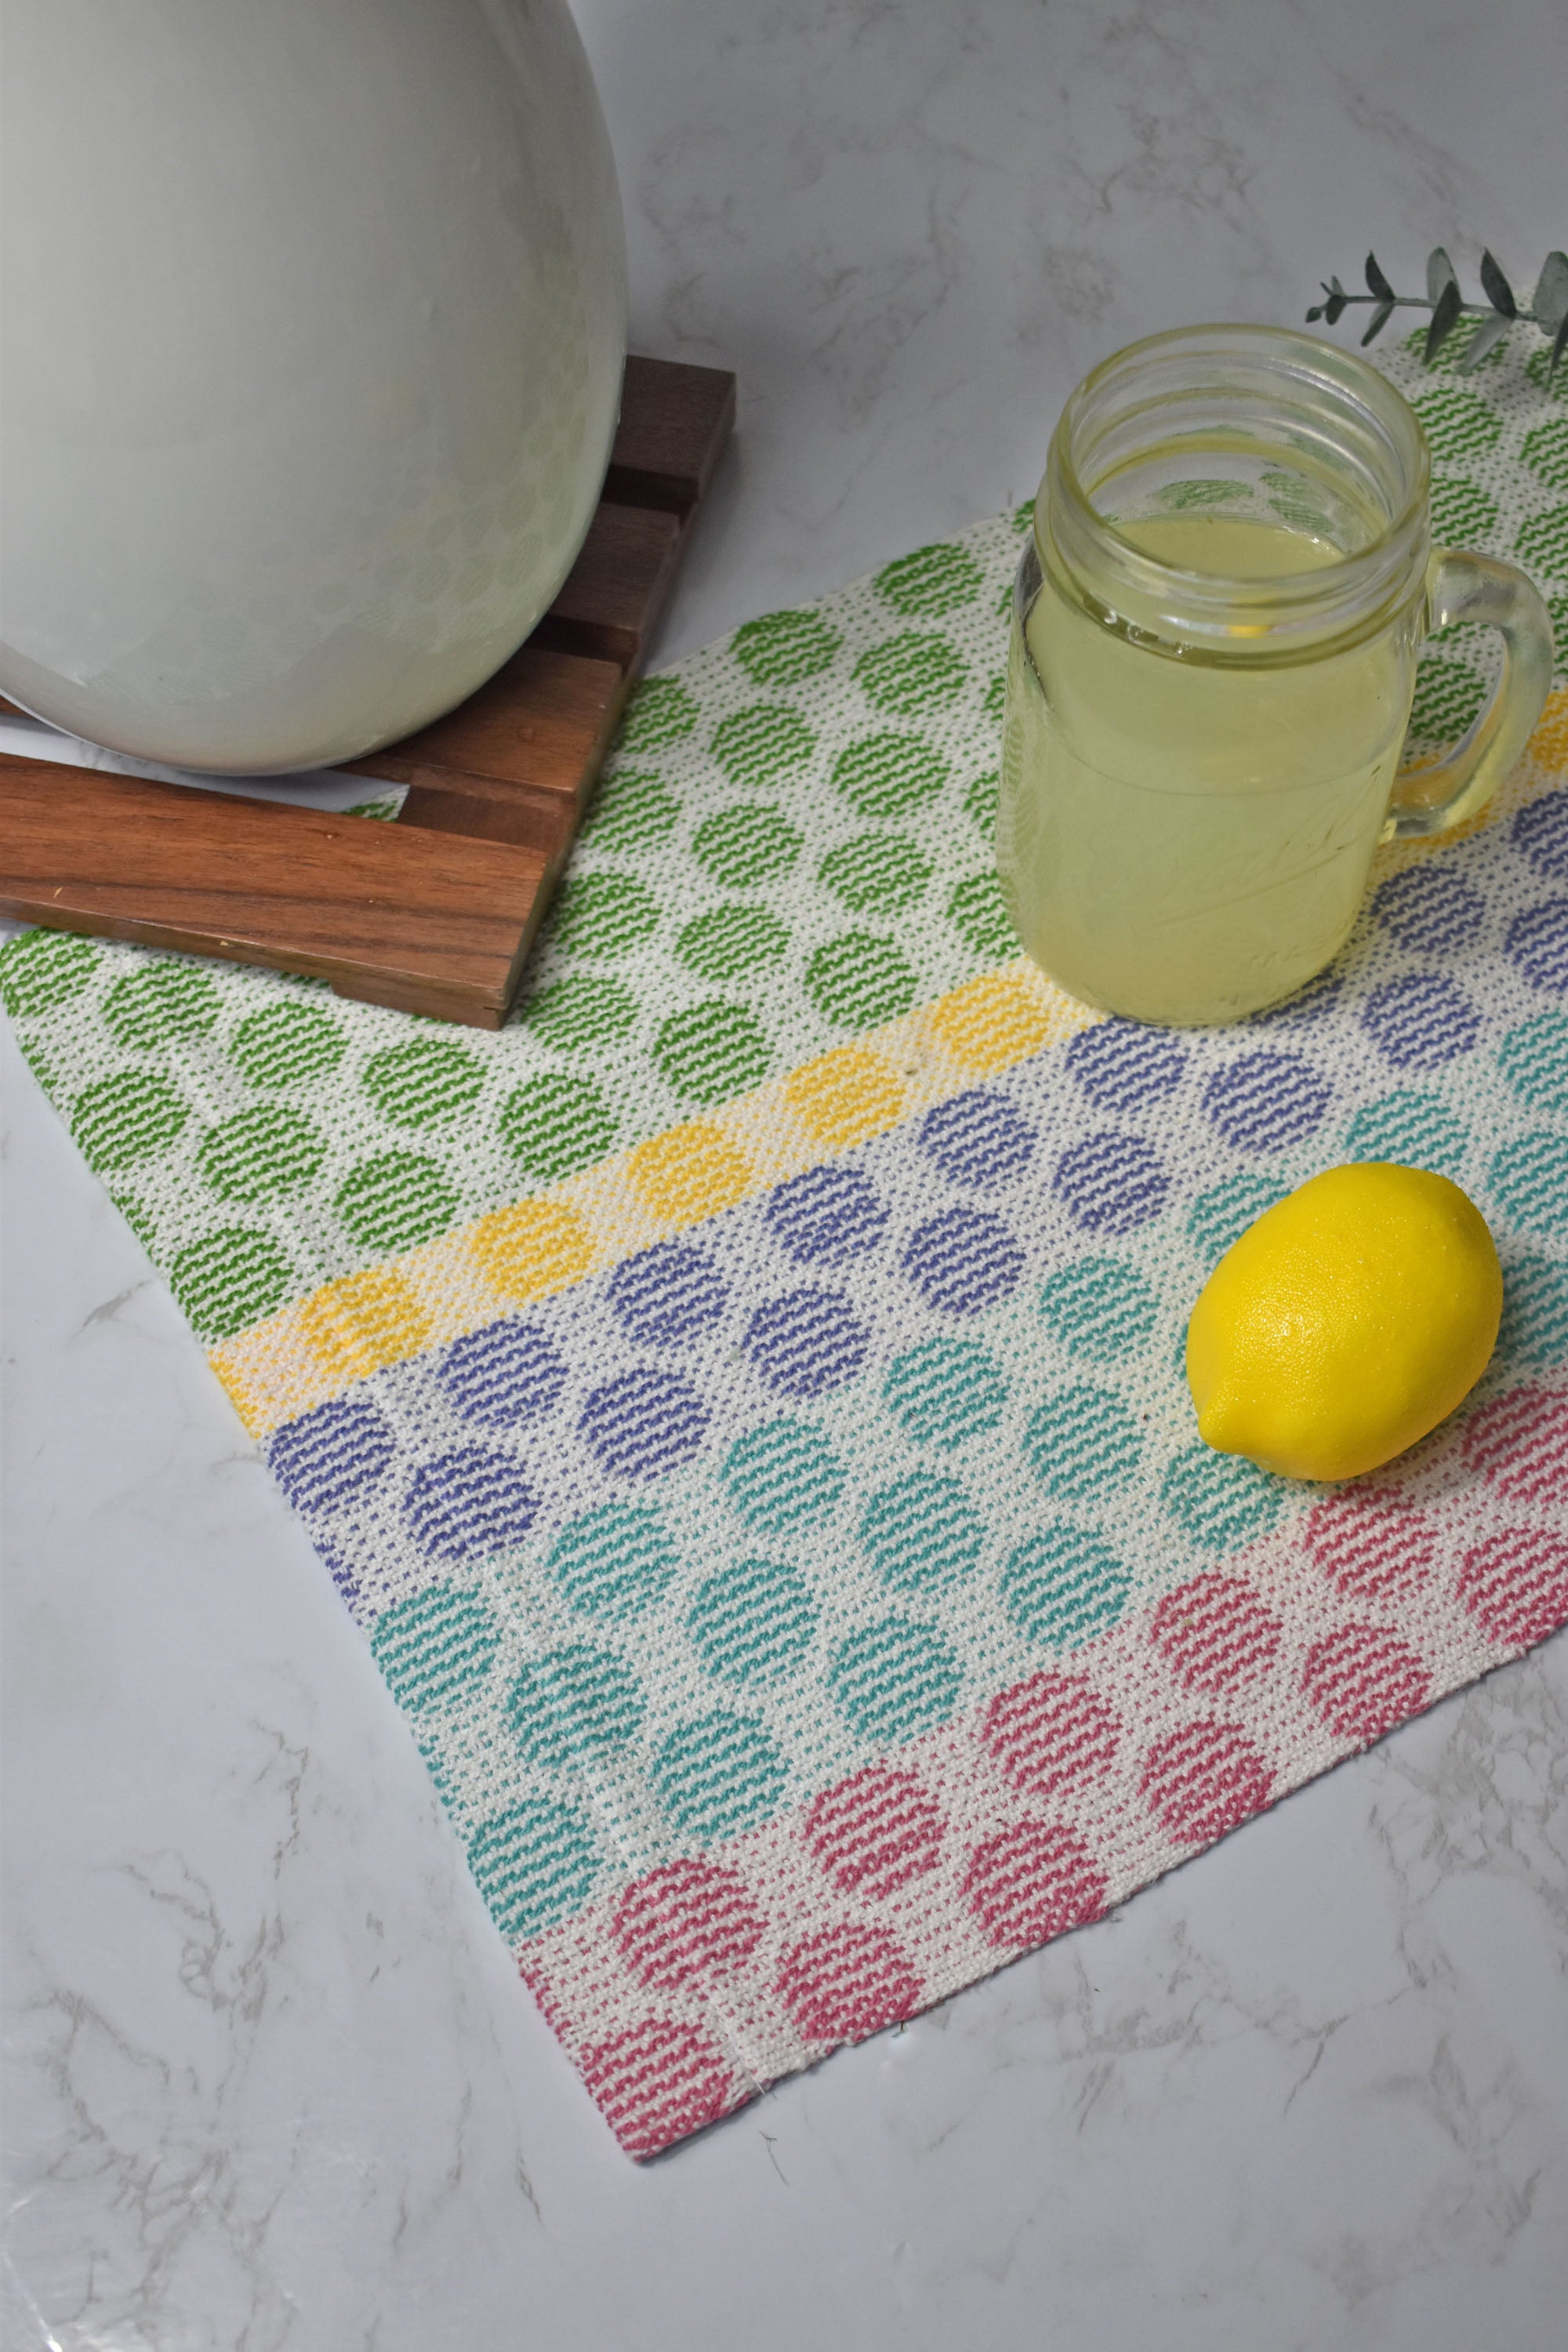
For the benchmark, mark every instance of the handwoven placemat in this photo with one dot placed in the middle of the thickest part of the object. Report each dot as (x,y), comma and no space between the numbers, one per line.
(742,1400)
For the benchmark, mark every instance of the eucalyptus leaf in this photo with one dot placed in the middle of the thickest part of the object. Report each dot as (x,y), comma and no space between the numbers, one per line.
(1559,344)
(1378,321)
(1487,337)
(1378,284)
(1333,307)
(1498,292)
(1314,313)
(1440,273)
(1550,303)
(1445,318)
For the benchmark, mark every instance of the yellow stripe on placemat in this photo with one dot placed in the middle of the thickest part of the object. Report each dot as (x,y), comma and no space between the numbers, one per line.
(364,1322)
(1543,766)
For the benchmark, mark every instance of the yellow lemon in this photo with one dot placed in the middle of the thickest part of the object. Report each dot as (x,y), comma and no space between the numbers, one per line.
(1347,1322)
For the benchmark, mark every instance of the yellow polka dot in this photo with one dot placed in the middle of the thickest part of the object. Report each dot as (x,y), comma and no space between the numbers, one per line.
(533,1247)
(693,1171)
(1549,744)
(253,1401)
(998,1019)
(363,1322)
(846,1095)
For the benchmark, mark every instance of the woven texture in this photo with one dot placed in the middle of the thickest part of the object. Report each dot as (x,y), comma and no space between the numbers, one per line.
(742,1400)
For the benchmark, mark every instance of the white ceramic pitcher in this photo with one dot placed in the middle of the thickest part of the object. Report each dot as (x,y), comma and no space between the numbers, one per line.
(314,317)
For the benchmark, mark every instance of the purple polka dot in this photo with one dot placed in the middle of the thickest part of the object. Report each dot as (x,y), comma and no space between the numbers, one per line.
(644,1424)
(963,1260)
(1540,832)
(504,1377)
(1112,1183)
(1305,1009)
(1421,1022)
(807,1342)
(338,1568)
(826,1217)
(977,1139)
(1537,942)
(1429,910)
(1264,1101)
(469,1503)
(666,1294)
(326,1456)
(1120,1064)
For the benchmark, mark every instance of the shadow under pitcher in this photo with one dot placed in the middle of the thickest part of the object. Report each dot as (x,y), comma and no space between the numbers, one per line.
(1215,629)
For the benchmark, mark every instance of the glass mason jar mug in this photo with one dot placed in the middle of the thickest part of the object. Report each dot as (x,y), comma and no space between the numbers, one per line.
(1215,636)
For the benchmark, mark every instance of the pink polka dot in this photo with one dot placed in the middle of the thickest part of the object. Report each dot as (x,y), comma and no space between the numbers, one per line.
(875,1832)
(1363,1680)
(690,1919)
(1515,1585)
(1521,1443)
(1368,1542)
(657,2083)
(1032,1882)
(846,1981)
(1050,1730)
(1216,1633)
(1200,1781)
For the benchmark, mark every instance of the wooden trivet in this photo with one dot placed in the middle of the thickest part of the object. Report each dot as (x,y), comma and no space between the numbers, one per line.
(434,913)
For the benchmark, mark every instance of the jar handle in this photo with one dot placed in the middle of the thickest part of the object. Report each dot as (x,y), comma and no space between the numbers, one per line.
(1463,587)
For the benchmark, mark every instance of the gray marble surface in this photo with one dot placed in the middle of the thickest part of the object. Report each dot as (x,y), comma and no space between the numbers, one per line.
(272,2083)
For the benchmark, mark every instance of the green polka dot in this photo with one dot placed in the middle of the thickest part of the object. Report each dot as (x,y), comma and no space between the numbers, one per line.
(859,981)
(931,581)
(1462,512)
(121,1120)
(660,710)
(1218,1218)
(1530,1180)
(1082,1442)
(976,911)
(1100,1307)
(719,1774)
(996,697)
(603,914)
(1202,490)
(230,1279)
(1414,1127)
(573,1704)
(895,1678)
(1457,424)
(163,1004)
(1447,696)
(1535,1313)
(877,873)
(140,1219)
(1541,544)
(434,1646)
(781,648)
(784,1475)
(1534,1058)
(744,845)
(945,1390)
(534,1865)
(711,1051)
(581,1010)
(1558,608)
(752,1622)
(730,940)
(42,968)
(921,1533)
(258,1153)
(553,1124)
(286,1046)
(1063,1586)
(1023,517)
(1538,367)
(631,809)
(430,1079)
(1451,353)
(396,1201)
(758,745)
(981,799)
(889,775)
(910,673)
(615,1561)
(1219,1501)
(1298,503)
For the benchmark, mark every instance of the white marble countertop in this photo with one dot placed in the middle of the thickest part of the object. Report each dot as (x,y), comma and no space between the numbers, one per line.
(273,2083)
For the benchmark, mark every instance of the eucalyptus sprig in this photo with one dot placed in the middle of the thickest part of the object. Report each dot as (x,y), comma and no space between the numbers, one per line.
(1499,311)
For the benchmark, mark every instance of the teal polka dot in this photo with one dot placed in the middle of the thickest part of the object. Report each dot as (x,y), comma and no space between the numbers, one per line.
(578,1701)
(434,1646)
(1220,1501)
(921,1533)
(534,1865)
(945,1390)
(1100,1307)
(1530,1182)
(752,1622)
(1534,1058)
(615,1561)
(1218,1218)
(719,1774)
(1064,1586)
(784,1474)
(1082,1442)
(1414,1127)
(1535,1312)
(895,1678)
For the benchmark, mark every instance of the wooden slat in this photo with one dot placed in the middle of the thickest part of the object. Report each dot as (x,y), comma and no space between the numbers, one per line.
(675,420)
(618,587)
